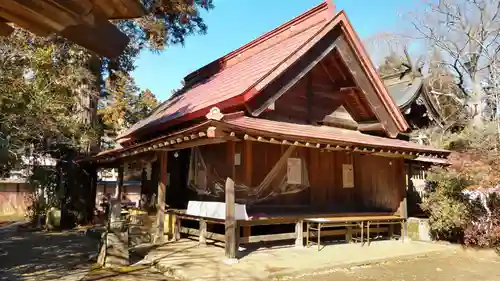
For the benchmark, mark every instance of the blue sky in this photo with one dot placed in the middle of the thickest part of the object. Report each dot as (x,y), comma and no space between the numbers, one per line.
(235,22)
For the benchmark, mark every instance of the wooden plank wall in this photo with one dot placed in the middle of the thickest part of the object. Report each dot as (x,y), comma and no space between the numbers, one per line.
(326,179)
(379,181)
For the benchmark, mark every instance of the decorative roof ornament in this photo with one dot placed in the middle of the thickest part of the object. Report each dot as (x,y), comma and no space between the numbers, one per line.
(215,114)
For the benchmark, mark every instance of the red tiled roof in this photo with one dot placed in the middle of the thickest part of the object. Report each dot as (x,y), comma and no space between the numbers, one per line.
(326,133)
(247,70)
(242,68)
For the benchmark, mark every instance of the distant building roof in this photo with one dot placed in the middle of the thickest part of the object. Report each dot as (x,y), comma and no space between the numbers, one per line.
(405,88)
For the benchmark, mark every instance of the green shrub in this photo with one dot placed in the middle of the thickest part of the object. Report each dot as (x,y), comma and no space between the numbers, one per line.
(44,182)
(448,209)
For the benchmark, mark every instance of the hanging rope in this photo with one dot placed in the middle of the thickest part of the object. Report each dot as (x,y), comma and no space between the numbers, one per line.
(198,180)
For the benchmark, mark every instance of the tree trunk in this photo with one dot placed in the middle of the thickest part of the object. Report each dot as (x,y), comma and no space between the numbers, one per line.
(475,104)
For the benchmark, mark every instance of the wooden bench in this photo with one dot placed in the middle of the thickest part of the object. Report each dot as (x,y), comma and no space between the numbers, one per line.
(317,224)
(384,220)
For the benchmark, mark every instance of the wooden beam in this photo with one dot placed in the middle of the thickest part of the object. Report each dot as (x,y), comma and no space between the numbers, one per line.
(248,162)
(162,186)
(196,232)
(337,94)
(91,30)
(24,22)
(340,122)
(190,144)
(350,60)
(231,225)
(309,93)
(370,127)
(327,72)
(5,29)
(294,73)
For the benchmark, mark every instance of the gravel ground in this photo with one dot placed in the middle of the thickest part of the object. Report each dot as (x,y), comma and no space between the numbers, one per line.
(59,256)
(28,256)
(445,266)
(42,256)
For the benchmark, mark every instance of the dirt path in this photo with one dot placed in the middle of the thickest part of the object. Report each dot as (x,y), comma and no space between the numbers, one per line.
(58,256)
(43,256)
(29,256)
(446,266)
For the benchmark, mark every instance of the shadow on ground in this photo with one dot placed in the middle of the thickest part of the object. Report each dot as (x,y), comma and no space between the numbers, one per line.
(44,256)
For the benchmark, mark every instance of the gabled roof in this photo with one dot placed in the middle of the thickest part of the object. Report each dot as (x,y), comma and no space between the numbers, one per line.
(236,78)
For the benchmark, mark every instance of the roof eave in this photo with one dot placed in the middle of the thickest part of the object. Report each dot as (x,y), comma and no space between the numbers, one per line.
(384,95)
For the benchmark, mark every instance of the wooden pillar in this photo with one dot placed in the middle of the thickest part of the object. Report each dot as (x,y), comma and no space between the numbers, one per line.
(231,226)
(203,233)
(410,187)
(177,228)
(248,168)
(230,158)
(171,225)
(403,211)
(162,185)
(115,210)
(114,250)
(248,162)
(299,233)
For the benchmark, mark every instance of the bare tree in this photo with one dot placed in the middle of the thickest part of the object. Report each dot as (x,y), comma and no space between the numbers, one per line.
(467,33)
(386,44)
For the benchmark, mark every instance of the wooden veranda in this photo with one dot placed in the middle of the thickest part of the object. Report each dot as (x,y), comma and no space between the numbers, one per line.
(350,174)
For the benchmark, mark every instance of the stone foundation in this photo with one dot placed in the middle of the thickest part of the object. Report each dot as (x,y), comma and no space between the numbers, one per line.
(418,229)
(114,248)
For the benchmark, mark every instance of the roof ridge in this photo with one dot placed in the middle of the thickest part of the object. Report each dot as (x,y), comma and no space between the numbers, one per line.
(299,32)
(270,34)
(324,6)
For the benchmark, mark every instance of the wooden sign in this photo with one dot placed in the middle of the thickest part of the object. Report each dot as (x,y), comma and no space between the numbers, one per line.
(347,176)
(237,159)
(294,171)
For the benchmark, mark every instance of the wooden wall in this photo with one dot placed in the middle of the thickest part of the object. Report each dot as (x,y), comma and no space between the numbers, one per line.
(379,181)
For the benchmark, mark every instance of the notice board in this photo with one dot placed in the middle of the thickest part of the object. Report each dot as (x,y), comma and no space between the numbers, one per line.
(347,176)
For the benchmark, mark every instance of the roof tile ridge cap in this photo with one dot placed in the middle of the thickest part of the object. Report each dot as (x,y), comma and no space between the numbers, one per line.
(395,113)
(274,44)
(297,49)
(264,37)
